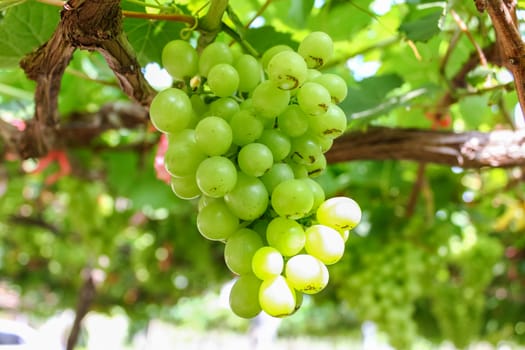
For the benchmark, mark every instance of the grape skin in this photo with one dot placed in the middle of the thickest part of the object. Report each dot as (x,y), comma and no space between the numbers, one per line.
(180,59)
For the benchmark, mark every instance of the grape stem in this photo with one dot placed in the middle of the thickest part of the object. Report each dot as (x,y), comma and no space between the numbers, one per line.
(190,20)
(211,23)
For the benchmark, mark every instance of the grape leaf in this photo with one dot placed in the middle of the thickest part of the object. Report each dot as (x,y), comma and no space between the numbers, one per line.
(263,38)
(4,4)
(148,38)
(299,11)
(24,28)
(140,184)
(369,99)
(422,24)
(341,20)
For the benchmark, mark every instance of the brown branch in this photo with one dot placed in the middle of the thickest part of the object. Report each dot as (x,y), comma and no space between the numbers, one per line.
(94,25)
(34,221)
(500,148)
(463,27)
(97,25)
(416,189)
(512,49)
(81,129)
(85,299)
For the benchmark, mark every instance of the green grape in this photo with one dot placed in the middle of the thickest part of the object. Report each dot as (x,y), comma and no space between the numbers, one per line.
(171,110)
(277,142)
(259,226)
(246,127)
(316,48)
(312,74)
(335,85)
(255,159)
(216,176)
(268,100)
(247,104)
(224,107)
(240,249)
(287,69)
(250,72)
(278,173)
(248,199)
(341,213)
(213,136)
(324,142)
(324,243)
(344,234)
(293,122)
(183,157)
(272,51)
(216,222)
(313,98)
(306,273)
(223,80)
(180,59)
(317,191)
(277,297)
(244,296)
(205,200)
(330,125)
(316,168)
(299,170)
(305,149)
(267,262)
(213,54)
(185,187)
(292,199)
(285,235)
(200,108)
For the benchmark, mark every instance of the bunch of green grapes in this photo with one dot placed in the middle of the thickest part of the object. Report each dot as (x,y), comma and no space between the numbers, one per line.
(459,301)
(247,137)
(384,290)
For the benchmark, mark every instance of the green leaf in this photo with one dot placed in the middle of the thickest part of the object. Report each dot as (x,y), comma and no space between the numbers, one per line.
(263,38)
(140,183)
(148,38)
(299,11)
(370,94)
(24,28)
(5,4)
(422,24)
(342,20)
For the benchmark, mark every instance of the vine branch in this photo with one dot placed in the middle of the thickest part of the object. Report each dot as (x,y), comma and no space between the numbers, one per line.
(85,299)
(508,39)
(94,25)
(499,148)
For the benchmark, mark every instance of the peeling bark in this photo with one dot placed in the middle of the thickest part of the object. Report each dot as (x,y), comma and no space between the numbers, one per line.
(94,25)
(499,148)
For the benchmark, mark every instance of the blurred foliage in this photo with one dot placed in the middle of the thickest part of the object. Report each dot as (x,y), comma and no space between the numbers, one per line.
(453,268)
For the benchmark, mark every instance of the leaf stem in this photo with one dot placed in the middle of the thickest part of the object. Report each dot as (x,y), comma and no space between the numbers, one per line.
(15,92)
(211,23)
(259,13)
(159,16)
(237,37)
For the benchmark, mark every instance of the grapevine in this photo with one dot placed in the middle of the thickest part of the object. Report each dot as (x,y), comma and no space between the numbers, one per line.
(247,137)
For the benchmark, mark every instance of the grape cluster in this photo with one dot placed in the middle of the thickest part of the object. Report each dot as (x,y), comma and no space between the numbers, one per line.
(246,137)
(385,290)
